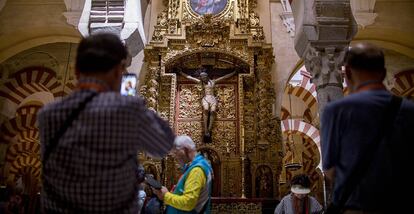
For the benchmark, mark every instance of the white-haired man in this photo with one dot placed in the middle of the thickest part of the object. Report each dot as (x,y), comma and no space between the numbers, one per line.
(193,190)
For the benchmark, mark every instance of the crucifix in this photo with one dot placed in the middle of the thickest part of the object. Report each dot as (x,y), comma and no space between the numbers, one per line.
(209,101)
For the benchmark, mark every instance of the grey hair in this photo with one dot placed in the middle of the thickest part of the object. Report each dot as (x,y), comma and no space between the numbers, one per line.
(184,141)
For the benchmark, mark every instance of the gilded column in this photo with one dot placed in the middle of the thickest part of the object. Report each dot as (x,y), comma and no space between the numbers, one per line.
(152,86)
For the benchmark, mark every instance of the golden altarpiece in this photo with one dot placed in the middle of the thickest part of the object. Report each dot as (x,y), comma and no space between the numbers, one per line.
(222,37)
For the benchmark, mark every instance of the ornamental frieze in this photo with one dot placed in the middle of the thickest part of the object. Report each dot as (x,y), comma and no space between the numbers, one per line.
(239,52)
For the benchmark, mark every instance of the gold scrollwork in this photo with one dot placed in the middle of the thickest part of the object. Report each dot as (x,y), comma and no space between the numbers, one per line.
(252,4)
(207,32)
(192,129)
(224,136)
(226,102)
(190,102)
(164,102)
(162,18)
(254,19)
(237,208)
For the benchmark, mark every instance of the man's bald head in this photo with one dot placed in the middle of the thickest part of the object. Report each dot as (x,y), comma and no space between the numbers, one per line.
(365,57)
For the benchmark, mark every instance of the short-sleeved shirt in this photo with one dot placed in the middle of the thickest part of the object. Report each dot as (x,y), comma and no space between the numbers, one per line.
(349,130)
(93,167)
(286,205)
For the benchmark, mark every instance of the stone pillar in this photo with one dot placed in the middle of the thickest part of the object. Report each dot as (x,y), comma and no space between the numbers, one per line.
(324,63)
(323,29)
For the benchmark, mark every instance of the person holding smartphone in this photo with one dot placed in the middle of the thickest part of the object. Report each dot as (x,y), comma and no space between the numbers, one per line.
(193,190)
(90,139)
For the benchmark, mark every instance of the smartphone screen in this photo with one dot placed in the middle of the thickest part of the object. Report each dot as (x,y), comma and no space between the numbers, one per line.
(129,83)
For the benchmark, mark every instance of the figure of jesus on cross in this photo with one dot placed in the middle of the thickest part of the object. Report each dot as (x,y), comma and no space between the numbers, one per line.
(209,101)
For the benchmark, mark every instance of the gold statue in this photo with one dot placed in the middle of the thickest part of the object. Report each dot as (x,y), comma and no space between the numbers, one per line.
(209,101)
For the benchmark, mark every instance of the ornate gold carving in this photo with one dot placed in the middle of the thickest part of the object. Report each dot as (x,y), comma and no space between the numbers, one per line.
(230,14)
(258,35)
(249,115)
(249,142)
(152,85)
(264,182)
(192,129)
(255,29)
(276,133)
(173,98)
(158,35)
(231,179)
(173,22)
(172,173)
(186,15)
(165,98)
(190,102)
(244,128)
(265,100)
(173,6)
(207,32)
(224,136)
(252,4)
(243,26)
(226,102)
(254,19)
(161,27)
(237,208)
(242,8)
(162,19)
(239,52)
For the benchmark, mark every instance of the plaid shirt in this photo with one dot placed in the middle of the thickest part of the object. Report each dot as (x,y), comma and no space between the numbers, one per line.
(92,168)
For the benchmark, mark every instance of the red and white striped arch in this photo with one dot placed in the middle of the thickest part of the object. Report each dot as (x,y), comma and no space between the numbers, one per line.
(29,81)
(13,127)
(307,116)
(404,83)
(69,87)
(306,91)
(23,154)
(284,113)
(25,120)
(25,147)
(25,164)
(30,135)
(29,108)
(296,126)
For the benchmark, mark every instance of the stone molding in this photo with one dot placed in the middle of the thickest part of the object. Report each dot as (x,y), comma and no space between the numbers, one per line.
(74,11)
(363,11)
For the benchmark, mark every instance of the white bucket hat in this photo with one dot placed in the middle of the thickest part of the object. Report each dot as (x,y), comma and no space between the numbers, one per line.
(299,189)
